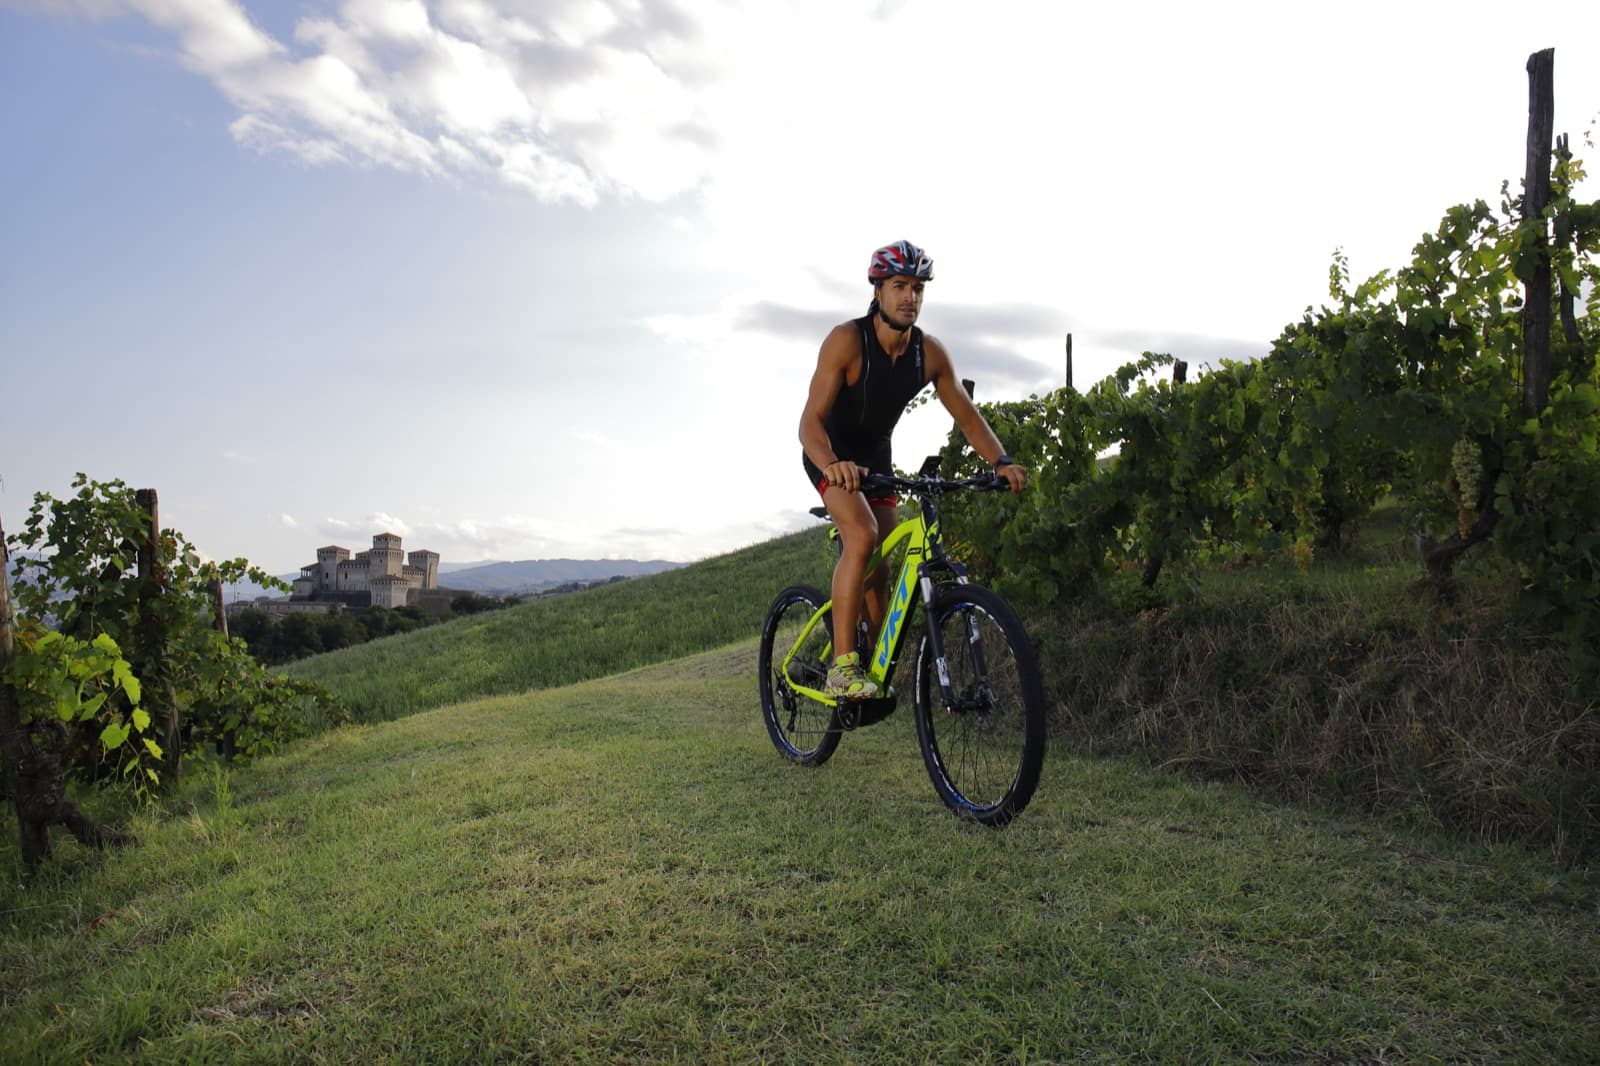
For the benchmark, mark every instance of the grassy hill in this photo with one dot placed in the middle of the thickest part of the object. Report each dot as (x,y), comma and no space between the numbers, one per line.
(561,640)
(1354,684)
(625,870)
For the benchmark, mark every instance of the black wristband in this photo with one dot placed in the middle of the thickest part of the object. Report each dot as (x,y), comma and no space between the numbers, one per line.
(1004,460)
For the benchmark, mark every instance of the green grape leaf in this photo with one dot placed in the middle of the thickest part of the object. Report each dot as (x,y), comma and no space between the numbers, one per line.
(113,736)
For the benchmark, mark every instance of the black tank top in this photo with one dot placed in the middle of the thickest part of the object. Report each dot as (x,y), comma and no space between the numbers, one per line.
(864,414)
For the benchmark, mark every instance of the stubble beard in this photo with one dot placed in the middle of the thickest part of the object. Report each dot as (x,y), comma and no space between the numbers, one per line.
(897,326)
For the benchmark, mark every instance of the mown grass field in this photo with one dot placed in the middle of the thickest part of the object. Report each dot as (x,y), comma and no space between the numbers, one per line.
(623,870)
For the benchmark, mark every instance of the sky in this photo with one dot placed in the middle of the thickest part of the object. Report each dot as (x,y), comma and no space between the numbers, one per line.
(547,278)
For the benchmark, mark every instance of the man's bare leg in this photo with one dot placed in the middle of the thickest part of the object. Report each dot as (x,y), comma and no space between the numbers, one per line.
(875,595)
(858,534)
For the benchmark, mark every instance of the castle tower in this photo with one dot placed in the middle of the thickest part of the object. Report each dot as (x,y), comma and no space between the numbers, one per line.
(387,558)
(427,565)
(327,569)
(388,591)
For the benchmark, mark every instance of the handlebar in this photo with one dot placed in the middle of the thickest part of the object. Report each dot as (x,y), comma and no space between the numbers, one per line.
(933,484)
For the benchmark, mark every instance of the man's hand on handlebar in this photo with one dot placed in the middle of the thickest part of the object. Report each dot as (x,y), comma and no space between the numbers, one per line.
(845,474)
(1016,477)
(1009,477)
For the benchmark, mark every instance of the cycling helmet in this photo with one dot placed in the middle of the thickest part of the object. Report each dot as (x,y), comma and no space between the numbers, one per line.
(900,258)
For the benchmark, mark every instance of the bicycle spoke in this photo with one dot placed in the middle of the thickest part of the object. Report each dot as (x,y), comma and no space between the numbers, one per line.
(984,748)
(801,727)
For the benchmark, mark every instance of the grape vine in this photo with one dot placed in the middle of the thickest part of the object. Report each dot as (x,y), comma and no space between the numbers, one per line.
(1404,385)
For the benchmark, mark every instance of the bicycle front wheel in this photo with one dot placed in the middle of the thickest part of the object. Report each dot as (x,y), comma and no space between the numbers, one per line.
(985,749)
(803,730)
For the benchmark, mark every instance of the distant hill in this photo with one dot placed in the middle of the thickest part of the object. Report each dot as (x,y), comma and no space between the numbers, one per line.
(535,575)
(505,579)
(493,578)
(558,640)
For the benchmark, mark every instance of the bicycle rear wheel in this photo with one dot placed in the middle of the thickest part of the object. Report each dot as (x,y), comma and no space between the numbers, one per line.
(803,730)
(985,751)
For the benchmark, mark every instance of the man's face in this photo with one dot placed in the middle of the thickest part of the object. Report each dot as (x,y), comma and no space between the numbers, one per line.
(900,300)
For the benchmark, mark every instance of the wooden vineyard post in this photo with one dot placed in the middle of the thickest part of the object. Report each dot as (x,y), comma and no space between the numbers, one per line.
(1069,362)
(1535,197)
(13,736)
(1440,558)
(1582,358)
(219,607)
(1180,372)
(224,745)
(153,635)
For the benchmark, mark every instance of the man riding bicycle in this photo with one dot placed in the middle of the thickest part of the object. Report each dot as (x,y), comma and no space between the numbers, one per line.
(868,370)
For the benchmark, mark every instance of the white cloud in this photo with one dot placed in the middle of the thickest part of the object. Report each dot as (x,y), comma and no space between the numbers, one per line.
(263,135)
(387,523)
(505,537)
(510,536)
(590,439)
(288,521)
(568,101)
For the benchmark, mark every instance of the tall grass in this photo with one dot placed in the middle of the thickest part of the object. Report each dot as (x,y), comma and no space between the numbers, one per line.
(1359,683)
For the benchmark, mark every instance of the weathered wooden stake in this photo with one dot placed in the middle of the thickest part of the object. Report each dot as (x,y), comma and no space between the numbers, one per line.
(1069,361)
(1582,358)
(153,636)
(1180,372)
(1535,197)
(219,608)
(12,734)
(1441,558)
(225,743)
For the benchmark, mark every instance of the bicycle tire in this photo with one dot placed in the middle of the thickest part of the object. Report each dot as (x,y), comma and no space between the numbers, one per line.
(803,730)
(984,754)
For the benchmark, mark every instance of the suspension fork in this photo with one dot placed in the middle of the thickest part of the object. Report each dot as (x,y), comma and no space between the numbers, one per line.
(941,662)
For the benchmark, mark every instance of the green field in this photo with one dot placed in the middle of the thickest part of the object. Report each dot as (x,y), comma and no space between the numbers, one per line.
(560,833)
(625,870)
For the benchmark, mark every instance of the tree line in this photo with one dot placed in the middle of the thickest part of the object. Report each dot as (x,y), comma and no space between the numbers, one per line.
(275,639)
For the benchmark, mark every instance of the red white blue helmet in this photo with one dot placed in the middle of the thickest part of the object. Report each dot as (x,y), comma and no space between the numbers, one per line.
(900,259)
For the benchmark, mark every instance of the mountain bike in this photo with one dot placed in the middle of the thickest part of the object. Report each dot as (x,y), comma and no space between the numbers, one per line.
(980,710)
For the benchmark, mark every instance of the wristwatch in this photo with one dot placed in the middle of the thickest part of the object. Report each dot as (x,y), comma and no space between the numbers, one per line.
(1004,460)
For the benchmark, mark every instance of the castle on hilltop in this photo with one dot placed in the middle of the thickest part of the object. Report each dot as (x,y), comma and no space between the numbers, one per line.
(381,577)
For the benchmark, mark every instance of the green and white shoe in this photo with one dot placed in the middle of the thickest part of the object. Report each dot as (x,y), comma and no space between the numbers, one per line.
(847,681)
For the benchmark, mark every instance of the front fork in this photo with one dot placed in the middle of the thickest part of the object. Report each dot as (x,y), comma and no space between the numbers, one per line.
(941,662)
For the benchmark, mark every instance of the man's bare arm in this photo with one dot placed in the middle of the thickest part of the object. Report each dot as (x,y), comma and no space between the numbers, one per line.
(942,372)
(840,351)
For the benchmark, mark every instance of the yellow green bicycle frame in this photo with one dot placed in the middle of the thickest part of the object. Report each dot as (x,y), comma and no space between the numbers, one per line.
(916,534)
